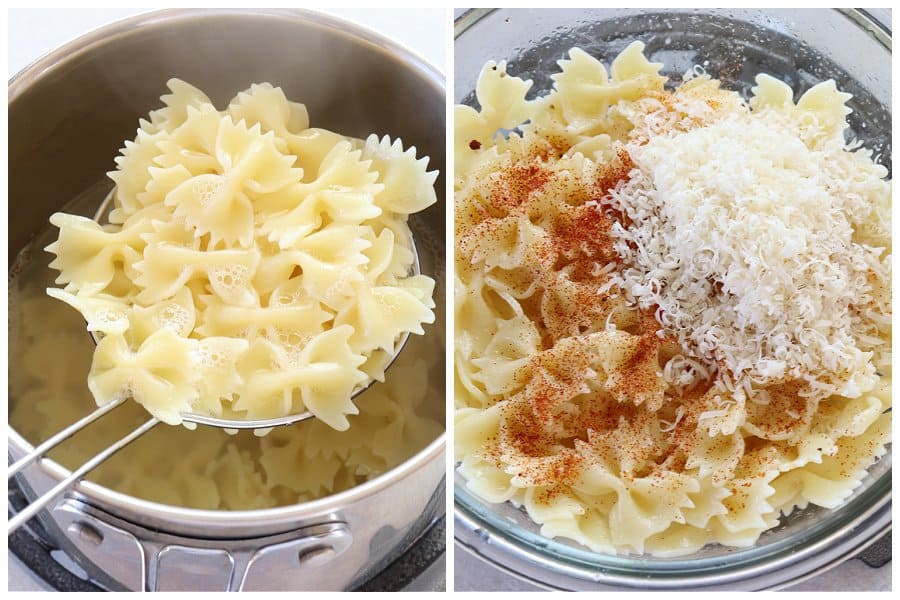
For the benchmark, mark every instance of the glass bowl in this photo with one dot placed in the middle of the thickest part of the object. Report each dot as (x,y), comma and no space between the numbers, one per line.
(797,46)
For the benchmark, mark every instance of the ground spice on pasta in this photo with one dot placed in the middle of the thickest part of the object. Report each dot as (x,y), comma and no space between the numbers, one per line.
(583,395)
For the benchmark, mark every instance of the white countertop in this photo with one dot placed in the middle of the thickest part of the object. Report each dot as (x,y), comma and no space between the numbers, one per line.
(33,32)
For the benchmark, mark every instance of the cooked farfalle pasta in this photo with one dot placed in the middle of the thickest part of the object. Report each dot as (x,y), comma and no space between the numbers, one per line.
(252,267)
(207,468)
(672,306)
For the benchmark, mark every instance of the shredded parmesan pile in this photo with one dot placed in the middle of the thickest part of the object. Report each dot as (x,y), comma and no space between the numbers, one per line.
(745,239)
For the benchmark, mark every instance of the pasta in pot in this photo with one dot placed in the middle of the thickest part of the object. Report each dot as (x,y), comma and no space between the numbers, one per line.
(644,359)
(253,267)
(208,468)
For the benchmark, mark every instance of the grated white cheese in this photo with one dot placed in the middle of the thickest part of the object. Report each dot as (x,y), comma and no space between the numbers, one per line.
(666,426)
(752,247)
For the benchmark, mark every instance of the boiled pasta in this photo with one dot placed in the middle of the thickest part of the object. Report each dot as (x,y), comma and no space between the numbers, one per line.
(252,266)
(672,306)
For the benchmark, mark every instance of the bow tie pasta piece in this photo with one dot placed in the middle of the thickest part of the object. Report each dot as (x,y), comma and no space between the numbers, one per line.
(503,106)
(420,287)
(284,449)
(158,375)
(247,163)
(311,146)
(401,421)
(89,256)
(275,268)
(344,191)
(345,168)
(192,144)
(176,313)
(166,268)
(165,231)
(246,242)
(184,96)
(267,106)
(380,315)
(408,187)
(211,205)
(324,373)
(401,254)
(221,319)
(216,358)
(331,261)
(162,181)
(379,255)
(104,314)
(251,157)
(131,175)
(823,107)
(586,91)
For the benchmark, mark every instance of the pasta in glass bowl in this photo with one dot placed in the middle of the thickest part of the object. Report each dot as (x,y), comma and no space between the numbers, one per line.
(657,523)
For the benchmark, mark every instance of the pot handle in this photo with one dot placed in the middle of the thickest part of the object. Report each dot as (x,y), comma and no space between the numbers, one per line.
(150,560)
(210,567)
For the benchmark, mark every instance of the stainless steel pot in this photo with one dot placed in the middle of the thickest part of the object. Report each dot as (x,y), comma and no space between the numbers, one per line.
(69,113)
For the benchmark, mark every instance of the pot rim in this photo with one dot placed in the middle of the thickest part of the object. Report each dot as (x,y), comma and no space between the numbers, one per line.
(112,499)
